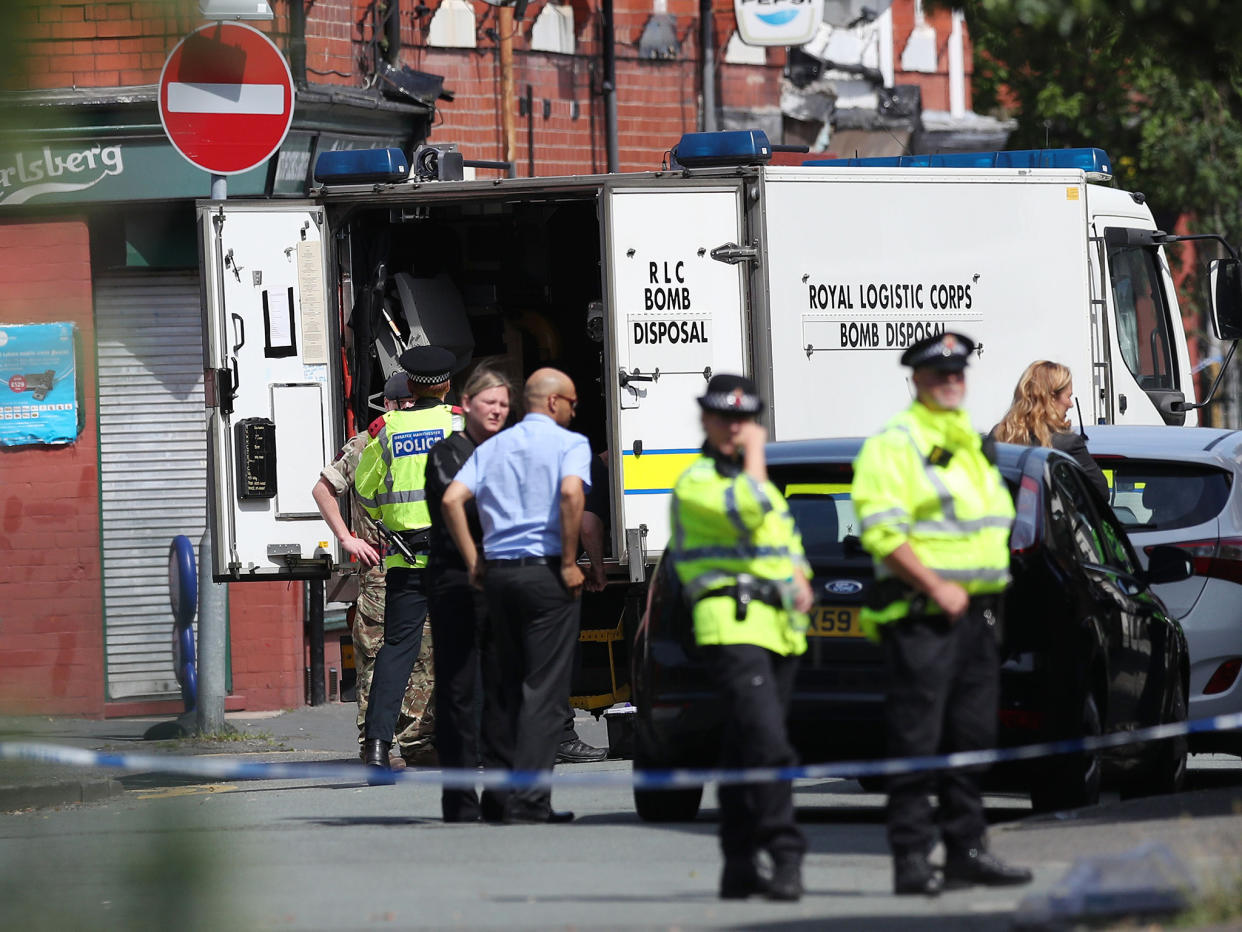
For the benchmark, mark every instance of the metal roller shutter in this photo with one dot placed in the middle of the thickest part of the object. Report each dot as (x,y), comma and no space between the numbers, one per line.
(153,465)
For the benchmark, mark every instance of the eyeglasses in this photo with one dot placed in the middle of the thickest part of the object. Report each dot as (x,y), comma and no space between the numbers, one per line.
(573,402)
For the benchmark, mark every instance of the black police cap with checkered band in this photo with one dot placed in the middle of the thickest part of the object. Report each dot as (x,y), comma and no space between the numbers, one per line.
(731,394)
(946,350)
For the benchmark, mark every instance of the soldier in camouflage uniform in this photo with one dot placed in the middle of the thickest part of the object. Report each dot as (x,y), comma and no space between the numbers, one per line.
(415,732)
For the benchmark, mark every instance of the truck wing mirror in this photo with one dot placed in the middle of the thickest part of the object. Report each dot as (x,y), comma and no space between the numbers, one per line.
(1226,293)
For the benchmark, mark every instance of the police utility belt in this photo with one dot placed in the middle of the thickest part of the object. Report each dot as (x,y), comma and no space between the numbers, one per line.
(887,591)
(748,589)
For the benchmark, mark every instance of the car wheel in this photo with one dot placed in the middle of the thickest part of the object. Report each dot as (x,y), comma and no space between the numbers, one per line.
(1166,772)
(1070,781)
(676,805)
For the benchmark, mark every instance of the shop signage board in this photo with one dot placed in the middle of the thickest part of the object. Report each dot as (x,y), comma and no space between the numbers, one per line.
(226,98)
(777,22)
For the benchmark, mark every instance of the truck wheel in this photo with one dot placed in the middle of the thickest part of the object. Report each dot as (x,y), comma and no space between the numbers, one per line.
(1070,781)
(1166,772)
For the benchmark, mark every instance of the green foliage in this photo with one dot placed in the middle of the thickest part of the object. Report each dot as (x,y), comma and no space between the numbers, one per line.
(1156,83)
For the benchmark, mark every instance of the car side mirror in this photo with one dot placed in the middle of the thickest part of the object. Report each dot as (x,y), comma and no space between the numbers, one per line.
(1167,564)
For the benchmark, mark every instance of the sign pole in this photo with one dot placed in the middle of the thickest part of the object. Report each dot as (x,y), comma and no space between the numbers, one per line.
(219,187)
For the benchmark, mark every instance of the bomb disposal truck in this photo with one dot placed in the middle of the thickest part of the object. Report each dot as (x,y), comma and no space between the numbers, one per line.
(810,279)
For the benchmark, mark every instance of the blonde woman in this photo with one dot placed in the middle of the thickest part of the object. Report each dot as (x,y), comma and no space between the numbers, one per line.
(1039,417)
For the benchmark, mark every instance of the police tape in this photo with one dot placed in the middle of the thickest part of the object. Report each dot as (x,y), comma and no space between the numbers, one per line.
(220,768)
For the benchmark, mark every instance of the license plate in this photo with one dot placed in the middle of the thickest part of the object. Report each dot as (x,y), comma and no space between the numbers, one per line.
(834,621)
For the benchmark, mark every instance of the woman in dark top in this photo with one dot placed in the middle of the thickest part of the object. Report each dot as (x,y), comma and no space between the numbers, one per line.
(1039,417)
(458,611)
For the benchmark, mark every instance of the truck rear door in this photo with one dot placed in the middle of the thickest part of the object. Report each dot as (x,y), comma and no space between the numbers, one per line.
(677,316)
(272,386)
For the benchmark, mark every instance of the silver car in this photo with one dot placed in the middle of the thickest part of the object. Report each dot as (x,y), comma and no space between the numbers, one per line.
(1183,486)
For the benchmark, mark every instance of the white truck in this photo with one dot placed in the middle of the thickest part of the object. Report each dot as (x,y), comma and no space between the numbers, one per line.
(811,279)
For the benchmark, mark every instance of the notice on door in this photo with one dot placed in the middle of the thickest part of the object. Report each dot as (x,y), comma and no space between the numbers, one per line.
(310,292)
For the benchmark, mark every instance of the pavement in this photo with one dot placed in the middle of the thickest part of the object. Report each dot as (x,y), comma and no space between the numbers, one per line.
(325,733)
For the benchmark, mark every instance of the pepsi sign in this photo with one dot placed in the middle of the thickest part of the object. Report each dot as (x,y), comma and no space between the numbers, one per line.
(777,22)
(415,442)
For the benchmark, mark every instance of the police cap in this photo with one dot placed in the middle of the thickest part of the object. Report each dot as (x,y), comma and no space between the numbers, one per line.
(427,365)
(398,387)
(949,351)
(732,394)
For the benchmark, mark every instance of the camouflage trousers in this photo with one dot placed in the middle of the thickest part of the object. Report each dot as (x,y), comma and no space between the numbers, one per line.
(416,725)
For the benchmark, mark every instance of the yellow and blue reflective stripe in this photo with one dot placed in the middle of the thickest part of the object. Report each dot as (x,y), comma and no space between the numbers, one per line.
(655,472)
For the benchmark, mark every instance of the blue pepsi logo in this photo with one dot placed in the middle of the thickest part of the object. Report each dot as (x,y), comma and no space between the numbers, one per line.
(779,18)
(415,442)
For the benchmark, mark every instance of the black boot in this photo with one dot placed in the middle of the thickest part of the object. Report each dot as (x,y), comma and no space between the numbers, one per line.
(912,874)
(741,879)
(972,866)
(786,882)
(375,752)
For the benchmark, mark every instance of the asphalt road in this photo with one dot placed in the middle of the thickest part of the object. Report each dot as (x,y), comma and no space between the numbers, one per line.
(305,855)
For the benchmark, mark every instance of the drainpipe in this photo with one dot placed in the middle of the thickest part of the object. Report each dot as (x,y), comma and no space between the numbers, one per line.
(392,30)
(707,46)
(297,42)
(609,40)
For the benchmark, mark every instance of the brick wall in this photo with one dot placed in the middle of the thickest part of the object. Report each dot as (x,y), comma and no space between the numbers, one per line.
(266,637)
(51,623)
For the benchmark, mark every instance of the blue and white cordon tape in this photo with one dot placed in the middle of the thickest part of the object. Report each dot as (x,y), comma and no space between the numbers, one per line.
(224,769)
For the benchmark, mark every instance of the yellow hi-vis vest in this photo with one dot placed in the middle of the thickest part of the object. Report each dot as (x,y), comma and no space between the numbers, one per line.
(925,481)
(392,472)
(724,526)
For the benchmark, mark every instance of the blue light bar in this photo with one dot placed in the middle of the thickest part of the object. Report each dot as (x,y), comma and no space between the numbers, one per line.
(733,147)
(1094,162)
(360,166)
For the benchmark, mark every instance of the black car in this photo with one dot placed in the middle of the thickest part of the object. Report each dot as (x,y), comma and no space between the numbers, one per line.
(1086,648)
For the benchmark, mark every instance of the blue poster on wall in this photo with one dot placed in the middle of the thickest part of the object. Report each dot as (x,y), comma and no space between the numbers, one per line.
(38,384)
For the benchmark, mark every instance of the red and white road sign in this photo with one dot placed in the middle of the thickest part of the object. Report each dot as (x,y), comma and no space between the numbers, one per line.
(226,98)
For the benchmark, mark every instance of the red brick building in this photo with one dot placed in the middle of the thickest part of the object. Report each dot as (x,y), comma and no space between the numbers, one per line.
(97,228)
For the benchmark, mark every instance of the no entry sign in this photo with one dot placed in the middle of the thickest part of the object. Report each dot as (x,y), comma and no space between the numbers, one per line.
(226,98)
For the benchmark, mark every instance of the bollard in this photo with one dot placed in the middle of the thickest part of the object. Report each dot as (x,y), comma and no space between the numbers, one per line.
(212,620)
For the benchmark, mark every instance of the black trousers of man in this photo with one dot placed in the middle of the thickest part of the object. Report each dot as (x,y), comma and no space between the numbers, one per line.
(458,614)
(405,612)
(942,697)
(532,626)
(755,685)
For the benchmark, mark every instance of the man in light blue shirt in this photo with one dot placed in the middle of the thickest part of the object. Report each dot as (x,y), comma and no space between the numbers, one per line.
(529,482)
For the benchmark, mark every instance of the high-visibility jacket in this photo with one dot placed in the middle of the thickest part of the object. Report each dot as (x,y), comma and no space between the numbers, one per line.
(726,524)
(925,481)
(391,474)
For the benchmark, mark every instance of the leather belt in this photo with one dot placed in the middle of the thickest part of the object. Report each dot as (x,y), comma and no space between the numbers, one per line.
(526,561)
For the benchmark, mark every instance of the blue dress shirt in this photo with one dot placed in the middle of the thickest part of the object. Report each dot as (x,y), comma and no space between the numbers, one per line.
(515,477)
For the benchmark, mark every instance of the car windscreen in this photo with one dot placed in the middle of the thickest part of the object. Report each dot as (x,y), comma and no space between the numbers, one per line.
(1159,496)
(819,500)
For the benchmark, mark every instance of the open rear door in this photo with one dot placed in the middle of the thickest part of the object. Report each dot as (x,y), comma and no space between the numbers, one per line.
(677,317)
(273,399)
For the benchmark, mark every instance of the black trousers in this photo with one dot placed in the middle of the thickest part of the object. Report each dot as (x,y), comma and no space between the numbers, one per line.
(756,686)
(528,651)
(458,614)
(943,694)
(405,611)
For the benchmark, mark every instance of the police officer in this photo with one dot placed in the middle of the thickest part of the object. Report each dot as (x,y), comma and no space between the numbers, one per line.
(390,484)
(415,725)
(740,562)
(935,516)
